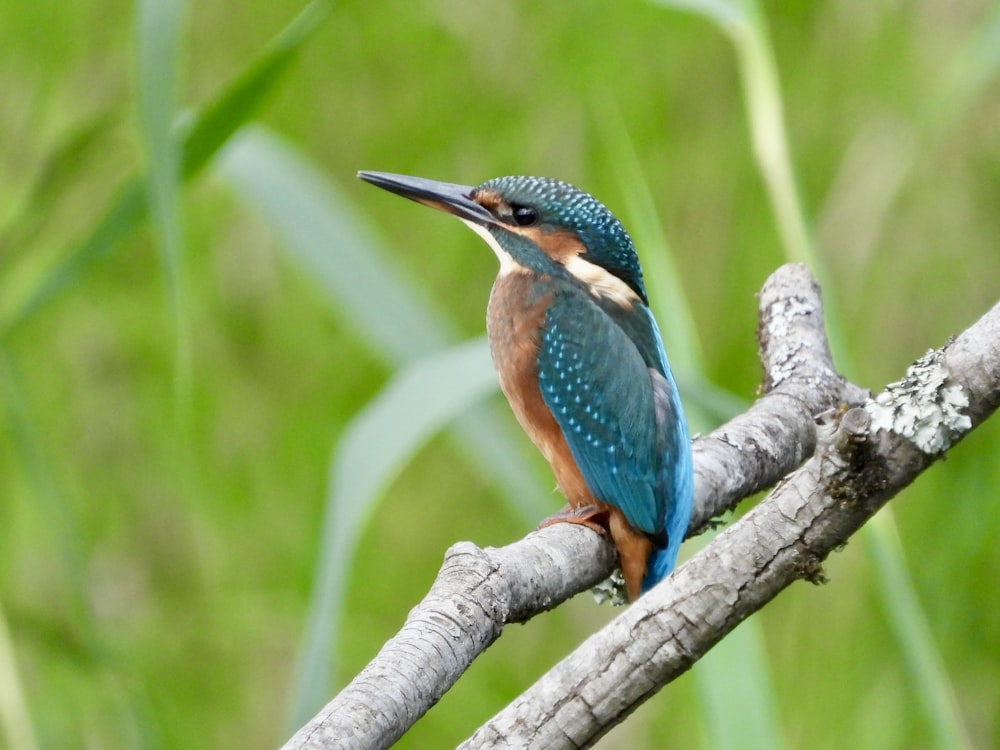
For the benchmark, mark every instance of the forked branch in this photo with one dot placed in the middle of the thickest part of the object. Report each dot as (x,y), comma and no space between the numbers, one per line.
(866,451)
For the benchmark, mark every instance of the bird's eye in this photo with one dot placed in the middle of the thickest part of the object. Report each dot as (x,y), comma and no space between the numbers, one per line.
(524,216)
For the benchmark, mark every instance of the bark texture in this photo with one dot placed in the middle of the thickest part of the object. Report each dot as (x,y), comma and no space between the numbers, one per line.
(862,453)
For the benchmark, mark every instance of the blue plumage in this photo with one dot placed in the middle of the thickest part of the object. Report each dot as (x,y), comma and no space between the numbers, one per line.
(580,359)
(677,471)
(622,418)
(603,401)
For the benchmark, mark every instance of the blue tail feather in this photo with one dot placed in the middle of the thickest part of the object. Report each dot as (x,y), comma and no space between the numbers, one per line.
(680,489)
(663,559)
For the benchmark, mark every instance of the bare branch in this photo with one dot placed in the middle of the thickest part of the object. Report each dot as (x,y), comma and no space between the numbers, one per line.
(859,465)
(475,593)
(754,450)
(478,591)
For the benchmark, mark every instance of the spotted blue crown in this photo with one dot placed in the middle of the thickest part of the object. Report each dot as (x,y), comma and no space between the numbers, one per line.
(564,206)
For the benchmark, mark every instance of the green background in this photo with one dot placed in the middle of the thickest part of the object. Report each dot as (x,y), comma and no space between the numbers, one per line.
(171,409)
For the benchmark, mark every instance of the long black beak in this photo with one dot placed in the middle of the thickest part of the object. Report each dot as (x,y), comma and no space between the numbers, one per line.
(445,196)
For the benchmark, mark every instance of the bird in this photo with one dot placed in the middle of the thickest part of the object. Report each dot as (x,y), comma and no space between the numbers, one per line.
(580,359)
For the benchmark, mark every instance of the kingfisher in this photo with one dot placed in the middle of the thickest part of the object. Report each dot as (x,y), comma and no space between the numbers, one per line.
(580,359)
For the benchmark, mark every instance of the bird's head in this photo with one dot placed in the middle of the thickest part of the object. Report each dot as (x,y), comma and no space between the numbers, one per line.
(537,224)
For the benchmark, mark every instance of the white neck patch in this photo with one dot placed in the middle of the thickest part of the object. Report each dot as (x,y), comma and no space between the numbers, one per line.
(601,282)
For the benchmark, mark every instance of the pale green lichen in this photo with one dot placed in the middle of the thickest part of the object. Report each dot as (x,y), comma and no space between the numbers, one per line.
(611,589)
(921,407)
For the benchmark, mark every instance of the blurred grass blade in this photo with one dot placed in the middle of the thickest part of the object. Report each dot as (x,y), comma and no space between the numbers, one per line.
(205,134)
(909,623)
(880,157)
(762,92)
(373,449)
(15,721)
(711,405)
(725,13)
(738,704)
(321,231)
(158,43)
(965,78)
(126,212)
(743,22)
(55,506)
(882,154)
(61,171)
(202,135)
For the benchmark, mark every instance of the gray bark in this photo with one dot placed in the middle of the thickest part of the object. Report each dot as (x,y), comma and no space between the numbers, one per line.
(865,450)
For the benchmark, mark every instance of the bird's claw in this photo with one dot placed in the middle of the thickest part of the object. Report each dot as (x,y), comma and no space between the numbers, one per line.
(594,517)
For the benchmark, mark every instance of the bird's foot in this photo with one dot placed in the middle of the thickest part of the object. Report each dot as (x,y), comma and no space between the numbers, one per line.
(594,517)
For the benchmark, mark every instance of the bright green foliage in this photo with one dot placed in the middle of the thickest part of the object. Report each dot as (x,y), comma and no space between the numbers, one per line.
(180,356)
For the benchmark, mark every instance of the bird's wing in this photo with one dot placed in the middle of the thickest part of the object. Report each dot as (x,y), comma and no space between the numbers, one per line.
(612,409)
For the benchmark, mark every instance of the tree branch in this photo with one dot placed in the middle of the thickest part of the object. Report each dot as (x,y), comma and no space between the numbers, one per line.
(777,433)
(786,537)
(863,459)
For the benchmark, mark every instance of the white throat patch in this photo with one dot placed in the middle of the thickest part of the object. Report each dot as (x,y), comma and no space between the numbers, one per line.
(507,262)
